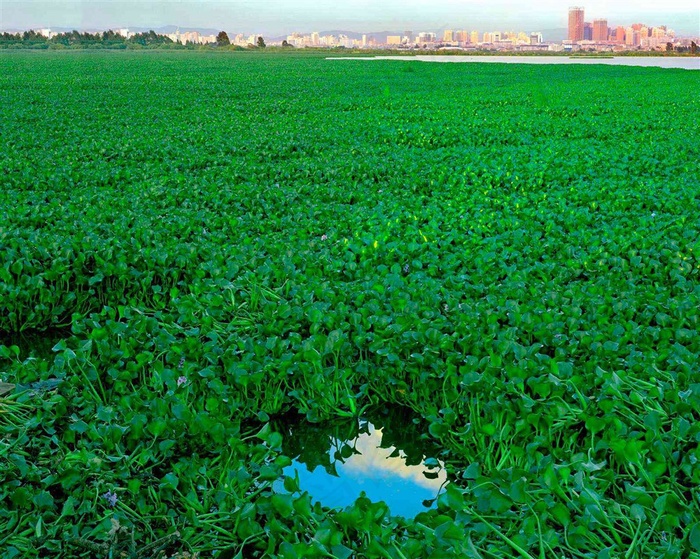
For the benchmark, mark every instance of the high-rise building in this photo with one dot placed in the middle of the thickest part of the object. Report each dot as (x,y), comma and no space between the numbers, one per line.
(587,31)
(448,36)
(600,30)
(474,37)
(575,23)
(619,36)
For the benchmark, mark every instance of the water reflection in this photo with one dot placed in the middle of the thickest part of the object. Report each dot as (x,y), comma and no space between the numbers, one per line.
(382,455)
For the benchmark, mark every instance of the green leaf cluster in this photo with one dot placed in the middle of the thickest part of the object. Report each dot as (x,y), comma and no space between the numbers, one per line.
(220,240)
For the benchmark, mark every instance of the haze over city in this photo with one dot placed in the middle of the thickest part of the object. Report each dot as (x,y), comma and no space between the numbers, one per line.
(278,17)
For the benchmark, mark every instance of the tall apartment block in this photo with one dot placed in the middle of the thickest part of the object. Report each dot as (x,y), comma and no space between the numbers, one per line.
(600,30)
(620,35)
(576,24)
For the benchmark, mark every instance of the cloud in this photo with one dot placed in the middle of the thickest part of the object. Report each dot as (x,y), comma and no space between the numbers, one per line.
(377,463)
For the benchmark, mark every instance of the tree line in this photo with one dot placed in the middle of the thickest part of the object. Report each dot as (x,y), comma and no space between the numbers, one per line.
(105,40)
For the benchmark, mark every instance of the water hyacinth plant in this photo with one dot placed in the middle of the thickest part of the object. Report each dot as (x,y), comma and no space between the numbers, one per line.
(221,241)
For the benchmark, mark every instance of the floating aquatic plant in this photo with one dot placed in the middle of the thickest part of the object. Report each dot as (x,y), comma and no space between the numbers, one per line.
(224,240)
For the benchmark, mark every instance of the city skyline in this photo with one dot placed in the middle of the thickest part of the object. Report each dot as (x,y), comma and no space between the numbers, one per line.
(280,17)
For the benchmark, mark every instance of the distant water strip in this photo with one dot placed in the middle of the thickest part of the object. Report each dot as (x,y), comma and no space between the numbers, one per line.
(643,61)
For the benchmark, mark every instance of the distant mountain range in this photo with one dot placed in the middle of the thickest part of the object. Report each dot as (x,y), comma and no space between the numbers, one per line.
(554,35)
(165,30)
(169,29)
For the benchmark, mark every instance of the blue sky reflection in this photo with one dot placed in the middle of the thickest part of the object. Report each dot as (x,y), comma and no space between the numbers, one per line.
(381,473)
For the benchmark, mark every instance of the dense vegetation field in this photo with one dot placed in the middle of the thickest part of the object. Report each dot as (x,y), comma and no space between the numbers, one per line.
(212,242)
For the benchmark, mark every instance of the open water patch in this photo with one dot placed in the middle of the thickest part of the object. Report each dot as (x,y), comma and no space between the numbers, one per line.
(677,62)
(382,455)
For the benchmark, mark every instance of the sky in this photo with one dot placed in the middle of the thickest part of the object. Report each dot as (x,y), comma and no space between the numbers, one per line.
(280,17)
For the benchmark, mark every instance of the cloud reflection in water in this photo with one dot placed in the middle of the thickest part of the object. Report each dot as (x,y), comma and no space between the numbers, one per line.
(361,464)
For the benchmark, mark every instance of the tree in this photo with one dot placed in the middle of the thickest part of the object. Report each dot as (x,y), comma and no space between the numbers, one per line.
(149,39)
(261,43)
(222,39)
(31,37)
(669,47)
(693,47)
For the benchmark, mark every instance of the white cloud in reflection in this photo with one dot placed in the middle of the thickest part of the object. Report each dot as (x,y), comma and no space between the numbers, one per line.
(376,462)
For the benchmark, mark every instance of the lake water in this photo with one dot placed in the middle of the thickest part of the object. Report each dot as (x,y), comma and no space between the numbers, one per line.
(645,61)
(384,458)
